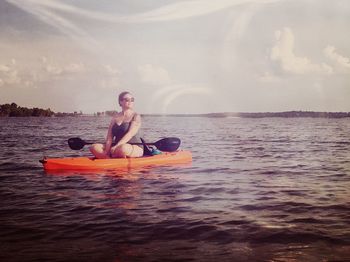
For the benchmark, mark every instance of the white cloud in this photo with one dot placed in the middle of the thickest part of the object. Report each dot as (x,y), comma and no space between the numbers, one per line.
(109,75)
(35,76)
(45,70)
(54,13)
(330,53)
(46,14)
(74,68)
(53,70)
(283,53)
(154,75)
(1,82)
(4,68)
(9,74)
(29,84)
(11,77)
(43,59)
(49,69)
(109,83)
(111,70)
(237,30)
(268,77)
(173,11)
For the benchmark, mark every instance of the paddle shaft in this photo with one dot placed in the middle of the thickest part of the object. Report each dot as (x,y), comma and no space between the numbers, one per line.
(149,144)
(169,144)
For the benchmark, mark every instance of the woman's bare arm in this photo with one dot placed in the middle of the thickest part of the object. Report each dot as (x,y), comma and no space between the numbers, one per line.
(109,138)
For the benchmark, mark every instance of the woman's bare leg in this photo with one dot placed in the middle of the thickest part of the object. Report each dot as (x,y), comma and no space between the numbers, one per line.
(98,151)
(127,150)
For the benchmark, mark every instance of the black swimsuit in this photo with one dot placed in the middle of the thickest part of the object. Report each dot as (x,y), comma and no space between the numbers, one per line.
(119,131)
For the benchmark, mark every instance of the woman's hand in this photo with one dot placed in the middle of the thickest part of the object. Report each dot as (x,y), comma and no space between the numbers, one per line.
(111,151)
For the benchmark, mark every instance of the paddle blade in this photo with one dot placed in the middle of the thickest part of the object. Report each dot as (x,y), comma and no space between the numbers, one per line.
(169,144)
(76,143)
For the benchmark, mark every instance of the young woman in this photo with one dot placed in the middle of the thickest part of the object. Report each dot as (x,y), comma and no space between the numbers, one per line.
(123,130)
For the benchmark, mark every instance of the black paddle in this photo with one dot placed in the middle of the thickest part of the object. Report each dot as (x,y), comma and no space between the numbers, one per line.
(169,144)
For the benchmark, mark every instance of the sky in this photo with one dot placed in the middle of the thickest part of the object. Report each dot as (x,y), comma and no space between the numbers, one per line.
(193,56)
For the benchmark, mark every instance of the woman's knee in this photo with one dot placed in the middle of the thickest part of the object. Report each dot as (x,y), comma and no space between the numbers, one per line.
(137,151)
(122,151)
(96,148)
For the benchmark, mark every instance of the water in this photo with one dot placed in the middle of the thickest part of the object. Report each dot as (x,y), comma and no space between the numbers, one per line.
(268,189)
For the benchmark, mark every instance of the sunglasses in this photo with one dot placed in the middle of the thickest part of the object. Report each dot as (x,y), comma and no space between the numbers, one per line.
(128,99)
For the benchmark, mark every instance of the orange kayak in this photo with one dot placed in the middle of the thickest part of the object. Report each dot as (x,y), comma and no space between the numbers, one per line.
(89,163)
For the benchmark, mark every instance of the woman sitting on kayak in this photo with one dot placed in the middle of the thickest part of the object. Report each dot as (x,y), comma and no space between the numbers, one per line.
(123,130)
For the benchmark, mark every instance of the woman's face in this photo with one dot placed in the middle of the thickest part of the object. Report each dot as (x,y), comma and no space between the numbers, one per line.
(127,102)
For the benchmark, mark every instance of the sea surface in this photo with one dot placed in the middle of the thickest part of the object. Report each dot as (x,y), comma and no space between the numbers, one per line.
(269,189)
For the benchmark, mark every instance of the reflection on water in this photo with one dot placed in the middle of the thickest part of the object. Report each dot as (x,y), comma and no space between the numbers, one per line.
(257,190)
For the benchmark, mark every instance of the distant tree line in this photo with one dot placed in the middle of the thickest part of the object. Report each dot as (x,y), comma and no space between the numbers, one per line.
(15,110)
(105,113)
(60,114)
(294,114)
(288,114)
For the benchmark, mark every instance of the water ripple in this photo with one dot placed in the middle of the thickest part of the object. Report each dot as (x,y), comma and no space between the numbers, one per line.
(257,190)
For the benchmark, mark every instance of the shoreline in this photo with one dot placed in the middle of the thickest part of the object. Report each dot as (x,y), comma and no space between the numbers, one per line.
(13,110)
(287,114)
